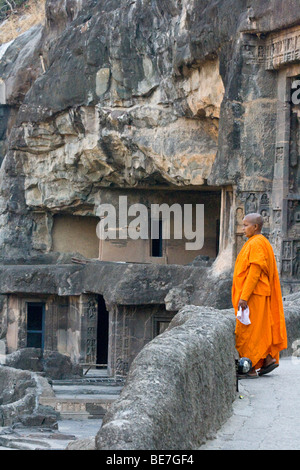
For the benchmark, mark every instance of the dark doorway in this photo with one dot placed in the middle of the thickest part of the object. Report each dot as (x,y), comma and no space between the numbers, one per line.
(156,243)
(161,326)
(35,325)
(102,332)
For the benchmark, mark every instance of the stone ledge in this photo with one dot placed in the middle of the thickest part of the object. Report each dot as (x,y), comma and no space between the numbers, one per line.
(79,408)
(121,283)
(180,387)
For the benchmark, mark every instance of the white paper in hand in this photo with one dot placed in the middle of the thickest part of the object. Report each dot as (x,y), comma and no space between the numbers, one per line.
(244,316)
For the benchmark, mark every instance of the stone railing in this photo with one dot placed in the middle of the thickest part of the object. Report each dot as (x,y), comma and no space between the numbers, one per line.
(180,387)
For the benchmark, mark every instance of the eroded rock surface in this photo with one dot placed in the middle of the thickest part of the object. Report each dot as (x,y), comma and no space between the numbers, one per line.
(135,95)
(19,399)
(54,365)
(180,387)
(114,95)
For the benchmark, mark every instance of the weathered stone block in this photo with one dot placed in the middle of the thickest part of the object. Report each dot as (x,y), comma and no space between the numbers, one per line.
(53,364)
(19,399)
(180,387)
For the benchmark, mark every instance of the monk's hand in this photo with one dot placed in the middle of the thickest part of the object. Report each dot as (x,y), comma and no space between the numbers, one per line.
(242,304)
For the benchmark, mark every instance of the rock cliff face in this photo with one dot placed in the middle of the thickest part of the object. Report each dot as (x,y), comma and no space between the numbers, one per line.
(107,94)
(140,94)
(177,98)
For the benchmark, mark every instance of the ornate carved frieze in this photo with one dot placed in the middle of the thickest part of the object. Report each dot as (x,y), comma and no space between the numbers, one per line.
(281,48)
(293,219)
(275,51)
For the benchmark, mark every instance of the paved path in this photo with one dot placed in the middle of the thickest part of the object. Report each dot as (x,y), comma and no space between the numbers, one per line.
(267,416)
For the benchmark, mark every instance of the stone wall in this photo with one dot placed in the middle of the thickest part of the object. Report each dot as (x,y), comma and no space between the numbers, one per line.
(292,316)
(180,387)
(140,299)
(132,327)
(69,324)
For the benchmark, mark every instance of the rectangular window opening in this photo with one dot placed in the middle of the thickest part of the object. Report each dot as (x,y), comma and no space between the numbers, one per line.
(35,325)
(156,243)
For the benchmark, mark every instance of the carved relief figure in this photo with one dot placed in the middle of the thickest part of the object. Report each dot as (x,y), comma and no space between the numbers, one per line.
(239,219)
(287,250)
(277,217)
(293,214)
(296,266)
(264,201)
(265,216)
(251,204)
(286,267)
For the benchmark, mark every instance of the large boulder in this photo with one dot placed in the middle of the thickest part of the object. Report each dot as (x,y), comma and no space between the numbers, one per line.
(19,399)
(54,365)
(24,359)
(59,366)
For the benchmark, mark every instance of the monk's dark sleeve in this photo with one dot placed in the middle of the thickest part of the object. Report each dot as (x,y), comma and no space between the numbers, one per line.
(251,281)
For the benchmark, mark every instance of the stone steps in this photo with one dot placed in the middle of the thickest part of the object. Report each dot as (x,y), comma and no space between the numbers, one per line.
(80,407)
(88,397)
(106,381)
(83,400)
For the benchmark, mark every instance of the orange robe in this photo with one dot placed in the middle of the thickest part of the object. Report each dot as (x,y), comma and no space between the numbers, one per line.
(256,280)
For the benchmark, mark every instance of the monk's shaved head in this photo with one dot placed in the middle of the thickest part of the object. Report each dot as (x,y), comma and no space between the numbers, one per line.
(254,218)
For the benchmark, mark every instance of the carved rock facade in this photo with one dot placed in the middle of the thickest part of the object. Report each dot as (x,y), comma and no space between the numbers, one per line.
(168,100)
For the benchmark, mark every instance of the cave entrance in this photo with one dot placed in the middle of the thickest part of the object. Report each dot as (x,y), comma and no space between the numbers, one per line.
(102,332)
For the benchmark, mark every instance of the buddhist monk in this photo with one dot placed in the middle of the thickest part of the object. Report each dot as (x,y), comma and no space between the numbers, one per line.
(256,285)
